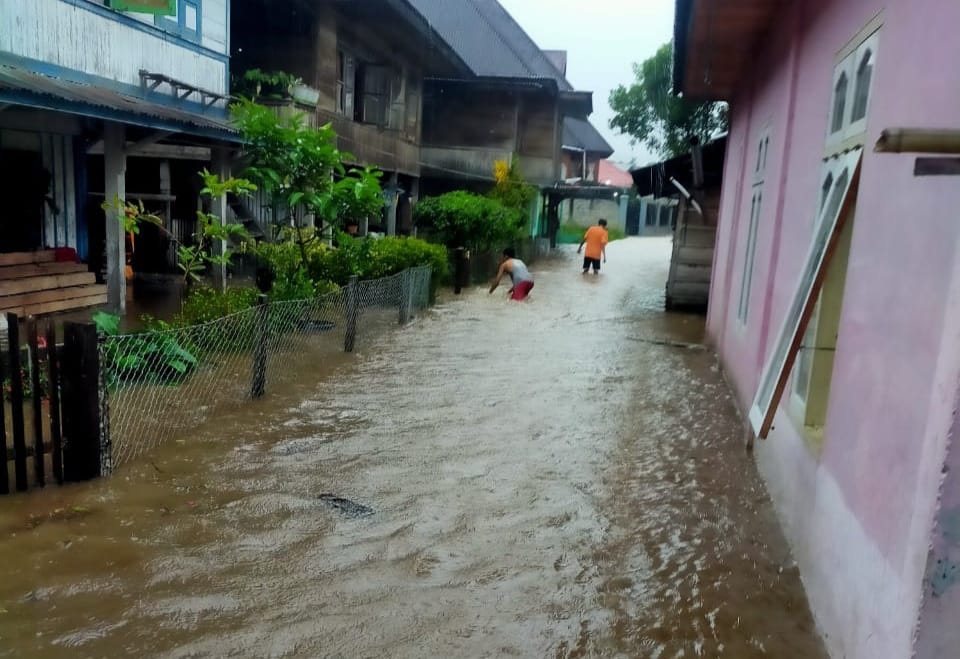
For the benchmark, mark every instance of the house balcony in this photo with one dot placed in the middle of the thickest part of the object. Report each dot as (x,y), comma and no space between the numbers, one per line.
(478,163)
(85,41)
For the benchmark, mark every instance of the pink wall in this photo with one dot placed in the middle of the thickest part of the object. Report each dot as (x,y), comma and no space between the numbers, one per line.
(885,433)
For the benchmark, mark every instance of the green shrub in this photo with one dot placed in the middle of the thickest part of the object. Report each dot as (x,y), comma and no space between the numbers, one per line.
(469,220)
(205,304)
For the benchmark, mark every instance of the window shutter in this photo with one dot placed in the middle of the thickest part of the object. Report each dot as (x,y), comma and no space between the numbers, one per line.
(349,84)
(158,7)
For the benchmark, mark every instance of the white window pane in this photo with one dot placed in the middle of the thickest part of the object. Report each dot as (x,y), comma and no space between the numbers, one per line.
(190,18)
(861,92)
(839,103)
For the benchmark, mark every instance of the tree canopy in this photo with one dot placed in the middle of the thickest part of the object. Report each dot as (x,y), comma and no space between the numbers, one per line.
(652,115)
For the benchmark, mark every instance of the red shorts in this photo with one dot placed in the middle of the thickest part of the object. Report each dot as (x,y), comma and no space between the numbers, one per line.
(521,290)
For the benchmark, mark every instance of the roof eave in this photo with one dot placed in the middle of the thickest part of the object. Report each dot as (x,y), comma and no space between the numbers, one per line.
(423,26)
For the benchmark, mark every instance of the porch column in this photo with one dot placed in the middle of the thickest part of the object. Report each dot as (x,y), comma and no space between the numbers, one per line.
(414,198)
(557,139)
(391,191)
(221,166)
(115,173)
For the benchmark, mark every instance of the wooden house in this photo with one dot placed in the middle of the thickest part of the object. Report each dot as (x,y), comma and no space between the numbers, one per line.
(100,101)
(693,179)
(365,63)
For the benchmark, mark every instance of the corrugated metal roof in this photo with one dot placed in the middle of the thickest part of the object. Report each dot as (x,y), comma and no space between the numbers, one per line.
(582,134)
(488,39)
(22,87)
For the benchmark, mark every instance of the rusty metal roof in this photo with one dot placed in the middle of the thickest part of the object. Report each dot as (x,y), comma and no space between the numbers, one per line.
(30,89)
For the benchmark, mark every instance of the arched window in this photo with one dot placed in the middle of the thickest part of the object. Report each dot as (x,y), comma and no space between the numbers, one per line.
(839,103)
(861,90)
(825,191)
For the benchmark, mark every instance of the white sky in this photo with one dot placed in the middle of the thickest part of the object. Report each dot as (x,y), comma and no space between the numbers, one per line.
(603,38)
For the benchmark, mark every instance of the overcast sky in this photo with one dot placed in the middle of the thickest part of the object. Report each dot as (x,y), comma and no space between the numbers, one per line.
(602,38)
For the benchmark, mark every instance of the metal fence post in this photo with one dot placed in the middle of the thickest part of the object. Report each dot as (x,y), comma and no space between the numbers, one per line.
(350,335)
(82,404)
(262,340)
(406,289)
(458,266)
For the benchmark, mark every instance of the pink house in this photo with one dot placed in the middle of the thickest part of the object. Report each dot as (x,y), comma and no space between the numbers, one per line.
(859,453)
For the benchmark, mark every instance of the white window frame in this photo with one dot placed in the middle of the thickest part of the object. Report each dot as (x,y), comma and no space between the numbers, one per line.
(853,133)
(759,160)
(871,44)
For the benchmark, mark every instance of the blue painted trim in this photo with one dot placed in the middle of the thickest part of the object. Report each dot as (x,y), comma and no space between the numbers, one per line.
(64,210)
(179,27)
(80,183)
(63,73)
(44,102)
(147,28)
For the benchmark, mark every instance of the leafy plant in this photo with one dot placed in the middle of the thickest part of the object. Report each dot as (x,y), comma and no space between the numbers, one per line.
(464,219)
(193,259)
(267,85)
(146,357)
(301,170)
(132,215)
(510,188)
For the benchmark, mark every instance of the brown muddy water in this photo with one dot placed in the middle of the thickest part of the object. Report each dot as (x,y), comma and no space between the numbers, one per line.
(559,478)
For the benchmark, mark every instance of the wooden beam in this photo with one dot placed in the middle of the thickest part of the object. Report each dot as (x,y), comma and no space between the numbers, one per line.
(918,140)
(34,284)
(168,151)
(133,148)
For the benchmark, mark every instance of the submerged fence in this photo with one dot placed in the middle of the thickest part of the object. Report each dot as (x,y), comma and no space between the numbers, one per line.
(163,383)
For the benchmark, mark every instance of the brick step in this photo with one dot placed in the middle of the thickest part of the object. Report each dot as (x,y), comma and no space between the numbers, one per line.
(39,270)
(27,258)
(44,283)
(55,300)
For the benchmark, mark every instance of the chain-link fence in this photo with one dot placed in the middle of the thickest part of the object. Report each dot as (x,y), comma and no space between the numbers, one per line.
(162,383)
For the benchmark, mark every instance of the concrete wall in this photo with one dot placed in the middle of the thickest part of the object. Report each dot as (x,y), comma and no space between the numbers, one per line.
(586,212)
(860,510)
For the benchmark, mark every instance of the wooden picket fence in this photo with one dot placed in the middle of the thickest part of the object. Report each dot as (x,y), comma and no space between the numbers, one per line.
(51,416)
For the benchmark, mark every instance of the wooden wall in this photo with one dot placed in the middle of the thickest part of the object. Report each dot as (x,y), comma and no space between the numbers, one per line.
(77,38)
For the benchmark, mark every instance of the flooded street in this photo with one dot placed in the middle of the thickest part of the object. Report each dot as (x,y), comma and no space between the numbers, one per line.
(559,478)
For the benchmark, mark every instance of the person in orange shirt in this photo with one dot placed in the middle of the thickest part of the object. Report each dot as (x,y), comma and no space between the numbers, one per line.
(596,239)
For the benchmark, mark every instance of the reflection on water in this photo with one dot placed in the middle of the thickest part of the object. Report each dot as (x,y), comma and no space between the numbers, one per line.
(539,484)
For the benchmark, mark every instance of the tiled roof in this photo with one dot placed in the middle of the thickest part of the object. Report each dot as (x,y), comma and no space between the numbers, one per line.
(581,134)
(610,174)
(487,38)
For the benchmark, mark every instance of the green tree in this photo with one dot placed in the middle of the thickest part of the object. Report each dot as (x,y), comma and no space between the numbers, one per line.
(652,115)
(464,219)
(302,172)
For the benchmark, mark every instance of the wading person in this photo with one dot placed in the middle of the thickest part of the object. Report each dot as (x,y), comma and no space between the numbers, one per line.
(519,275)
(596,239)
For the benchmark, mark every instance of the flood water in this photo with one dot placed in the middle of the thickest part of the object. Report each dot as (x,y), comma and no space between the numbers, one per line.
(558,478)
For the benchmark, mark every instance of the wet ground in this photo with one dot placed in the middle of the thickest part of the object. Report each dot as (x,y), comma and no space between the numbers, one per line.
(559,478)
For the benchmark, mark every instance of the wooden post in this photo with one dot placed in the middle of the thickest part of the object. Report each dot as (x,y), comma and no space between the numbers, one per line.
(262,339)
(406,290)
(54,376)
(82,440)
(350,335)
(391,190)
(4,476)
(458,267)
(219,206)
(37,400)
(16,404)
(115,174)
